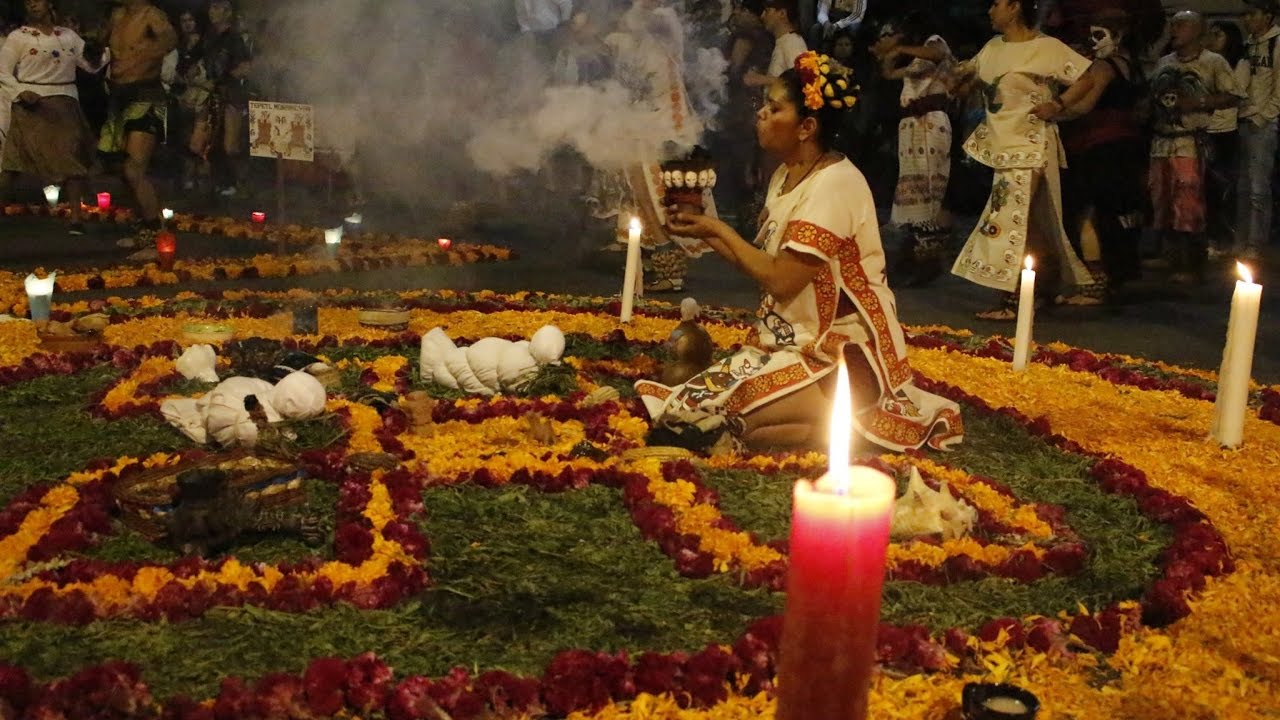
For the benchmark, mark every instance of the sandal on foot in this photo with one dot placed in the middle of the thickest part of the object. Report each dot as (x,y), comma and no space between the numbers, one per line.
(664,286)
(1080,300)
(998,314)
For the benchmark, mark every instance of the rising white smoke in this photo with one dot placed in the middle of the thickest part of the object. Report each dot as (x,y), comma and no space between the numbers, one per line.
(434,94)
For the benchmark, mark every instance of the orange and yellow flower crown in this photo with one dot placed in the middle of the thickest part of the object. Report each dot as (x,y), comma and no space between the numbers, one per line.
(824,83)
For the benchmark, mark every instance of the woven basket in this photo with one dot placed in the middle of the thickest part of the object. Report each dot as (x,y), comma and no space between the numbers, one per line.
(663,453)
(146,499)
(384,318)
(70,343)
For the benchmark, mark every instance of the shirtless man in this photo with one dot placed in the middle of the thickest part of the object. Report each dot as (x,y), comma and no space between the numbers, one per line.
(139,35)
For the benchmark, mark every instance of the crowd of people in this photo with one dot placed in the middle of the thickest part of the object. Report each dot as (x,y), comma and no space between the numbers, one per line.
(75,101)
(1101,153)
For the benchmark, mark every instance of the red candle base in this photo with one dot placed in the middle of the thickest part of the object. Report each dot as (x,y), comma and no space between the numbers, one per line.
(166,260)
(834,580)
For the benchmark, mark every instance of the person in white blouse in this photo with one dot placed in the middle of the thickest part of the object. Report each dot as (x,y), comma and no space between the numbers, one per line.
(48,134)
(779,17)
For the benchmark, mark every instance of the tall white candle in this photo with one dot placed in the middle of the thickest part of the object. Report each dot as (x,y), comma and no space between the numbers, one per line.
(632,275)
(1237,362)
(1026,314)
(51,195)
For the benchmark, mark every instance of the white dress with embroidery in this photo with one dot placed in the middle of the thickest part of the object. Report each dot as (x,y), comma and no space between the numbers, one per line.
(831,216)
(1015,77)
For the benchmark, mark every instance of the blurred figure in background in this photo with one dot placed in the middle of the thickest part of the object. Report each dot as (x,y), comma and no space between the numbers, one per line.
(140,36)
(923,62)
(48,135)
(1223,143)
(227,62)
(1258,127)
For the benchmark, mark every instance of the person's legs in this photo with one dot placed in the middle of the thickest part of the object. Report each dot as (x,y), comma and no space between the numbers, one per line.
(226,173)
(1253,200)
(75,188)
(7,179)
(668,266)
(138,149)
(1222,174)
(802,419)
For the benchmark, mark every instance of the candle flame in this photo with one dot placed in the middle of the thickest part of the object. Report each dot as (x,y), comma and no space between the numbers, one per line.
(36,285)
(841,430)
(635,224)
(1029,263)
(1244,271)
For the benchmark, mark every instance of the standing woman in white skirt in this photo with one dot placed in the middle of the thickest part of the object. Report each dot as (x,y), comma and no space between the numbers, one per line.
(1020,73)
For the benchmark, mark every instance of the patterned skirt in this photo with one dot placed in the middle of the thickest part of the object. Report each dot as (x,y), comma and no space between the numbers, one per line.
(994,253)
(49,139)
(924,168)
(720,396)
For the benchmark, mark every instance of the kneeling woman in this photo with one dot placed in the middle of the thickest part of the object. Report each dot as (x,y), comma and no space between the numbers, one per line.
(819,262)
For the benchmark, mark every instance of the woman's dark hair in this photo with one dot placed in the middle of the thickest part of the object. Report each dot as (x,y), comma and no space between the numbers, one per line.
(1234,51)
(914,28)
(828,117)
(1030,10)
(787,6)
(754,6)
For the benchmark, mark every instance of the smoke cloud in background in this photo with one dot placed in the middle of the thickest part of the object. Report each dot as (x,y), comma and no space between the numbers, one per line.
(435,97)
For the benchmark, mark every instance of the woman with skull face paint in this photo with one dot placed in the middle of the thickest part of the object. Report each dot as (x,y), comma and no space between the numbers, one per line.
(1018,72)
(1108,157)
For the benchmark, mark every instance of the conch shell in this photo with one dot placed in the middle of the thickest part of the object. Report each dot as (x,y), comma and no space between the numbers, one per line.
(924,511)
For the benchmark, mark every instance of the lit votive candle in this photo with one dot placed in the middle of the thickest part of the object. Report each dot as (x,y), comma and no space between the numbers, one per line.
(1232,403)
(1026,316)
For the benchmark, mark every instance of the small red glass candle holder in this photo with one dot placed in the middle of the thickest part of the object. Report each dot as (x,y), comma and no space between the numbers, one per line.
(444,243)
(104,201)
(258,217)
(166,249)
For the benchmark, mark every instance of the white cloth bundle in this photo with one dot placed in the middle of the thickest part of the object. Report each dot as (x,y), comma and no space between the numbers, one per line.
(199,362)
(220,416)
(489,365)
(298,396)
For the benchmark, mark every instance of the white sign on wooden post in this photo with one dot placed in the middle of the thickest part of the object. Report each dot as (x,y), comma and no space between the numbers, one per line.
(285,131)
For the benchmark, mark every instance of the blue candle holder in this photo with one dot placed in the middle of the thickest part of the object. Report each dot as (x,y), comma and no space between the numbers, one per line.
(40,306)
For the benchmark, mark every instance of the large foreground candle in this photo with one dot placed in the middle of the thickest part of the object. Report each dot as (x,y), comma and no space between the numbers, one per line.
(631,276)
(1237,361)
(1026,316)
(839,534)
